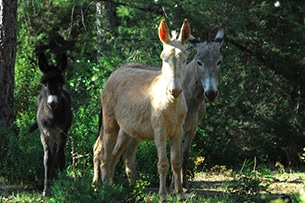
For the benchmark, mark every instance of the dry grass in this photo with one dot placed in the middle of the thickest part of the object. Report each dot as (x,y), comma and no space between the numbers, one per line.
(212,184)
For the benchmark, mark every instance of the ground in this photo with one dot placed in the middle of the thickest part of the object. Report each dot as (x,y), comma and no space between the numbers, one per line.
(280,183)
(207,184)
(282,187)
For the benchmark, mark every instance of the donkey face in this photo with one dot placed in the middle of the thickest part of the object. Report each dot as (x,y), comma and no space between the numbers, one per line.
(52,80)
(208,61)
(174,56)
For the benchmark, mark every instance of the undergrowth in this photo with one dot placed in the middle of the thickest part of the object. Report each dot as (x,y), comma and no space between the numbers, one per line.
(246,186)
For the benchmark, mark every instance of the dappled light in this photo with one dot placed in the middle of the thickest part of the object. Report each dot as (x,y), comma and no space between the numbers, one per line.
(255,105)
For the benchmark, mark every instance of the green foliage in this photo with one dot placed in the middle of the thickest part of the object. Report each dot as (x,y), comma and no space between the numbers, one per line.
(79,189)
(6,134)
(259,113)
(245,186)
(18,156)
(123,11)
(22,197)
(301,196)
(248,184)
(303,154)
(139,190)
(147,160)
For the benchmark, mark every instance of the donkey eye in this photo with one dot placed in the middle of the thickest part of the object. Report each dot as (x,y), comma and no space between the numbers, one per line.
(199,63)
(218,63)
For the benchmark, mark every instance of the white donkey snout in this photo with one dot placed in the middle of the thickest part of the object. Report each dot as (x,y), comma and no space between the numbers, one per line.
(52,101)
(210,90)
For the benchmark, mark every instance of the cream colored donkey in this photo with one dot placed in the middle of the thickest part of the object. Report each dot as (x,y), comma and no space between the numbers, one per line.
(148,105)
(201,83)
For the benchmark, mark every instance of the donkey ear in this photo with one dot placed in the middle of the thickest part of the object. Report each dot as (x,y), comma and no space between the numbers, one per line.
(194,42)
(185,32)
(220,36)
(62,63)
(42,63)
(163,32)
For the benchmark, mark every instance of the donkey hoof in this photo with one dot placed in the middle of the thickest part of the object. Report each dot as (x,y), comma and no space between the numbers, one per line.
(44,193)
(163,198)
(185,196)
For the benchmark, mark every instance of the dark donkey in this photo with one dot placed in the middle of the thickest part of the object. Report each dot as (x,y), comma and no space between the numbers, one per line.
(54,117)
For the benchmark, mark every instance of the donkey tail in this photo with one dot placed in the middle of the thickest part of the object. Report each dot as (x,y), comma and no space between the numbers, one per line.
(33,127)
(100,121)
(97,150)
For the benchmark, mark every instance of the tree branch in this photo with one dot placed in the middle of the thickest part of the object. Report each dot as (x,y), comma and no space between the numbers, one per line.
(146,9)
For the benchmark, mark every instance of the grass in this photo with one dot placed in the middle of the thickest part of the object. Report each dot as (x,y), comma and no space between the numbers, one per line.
(209,187)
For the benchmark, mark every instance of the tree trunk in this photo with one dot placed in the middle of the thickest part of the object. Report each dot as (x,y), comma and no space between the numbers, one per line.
(100,39)
(105,19)
(8,21)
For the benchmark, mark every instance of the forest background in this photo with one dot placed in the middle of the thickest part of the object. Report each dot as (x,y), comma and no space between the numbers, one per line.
(259,114)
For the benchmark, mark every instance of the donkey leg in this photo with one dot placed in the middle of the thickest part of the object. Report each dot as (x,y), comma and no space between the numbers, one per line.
(47,162)
(186,145)
(97,155)
(109,141)
(61,158)
(129,160)
(176,160)
(110,134)
(163,164)
(47,171)
(122,142)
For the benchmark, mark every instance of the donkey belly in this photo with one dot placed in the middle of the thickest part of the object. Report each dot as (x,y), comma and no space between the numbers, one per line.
(143,125)
(137,126)
(52,137)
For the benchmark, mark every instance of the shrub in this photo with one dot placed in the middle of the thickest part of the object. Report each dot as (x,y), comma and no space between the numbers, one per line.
(79,189)
(246,185)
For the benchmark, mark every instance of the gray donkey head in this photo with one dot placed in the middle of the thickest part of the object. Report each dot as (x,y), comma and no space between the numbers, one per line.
(208,61)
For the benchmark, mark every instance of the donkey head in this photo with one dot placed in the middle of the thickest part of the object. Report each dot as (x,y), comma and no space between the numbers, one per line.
(174,56)
(208,60)
(52,80)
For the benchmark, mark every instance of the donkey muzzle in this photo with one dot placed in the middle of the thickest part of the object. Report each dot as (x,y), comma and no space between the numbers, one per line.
(211,95)
(175,92)
(52,101)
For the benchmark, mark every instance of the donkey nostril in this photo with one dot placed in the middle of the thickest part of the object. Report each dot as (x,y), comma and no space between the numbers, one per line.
(211,95)
(52,101)
(53,105)
(175,92)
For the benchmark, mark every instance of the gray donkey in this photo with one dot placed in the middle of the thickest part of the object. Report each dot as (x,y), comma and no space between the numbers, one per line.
(54,117)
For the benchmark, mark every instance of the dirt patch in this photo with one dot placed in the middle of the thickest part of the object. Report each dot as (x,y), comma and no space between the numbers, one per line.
(287,183)
(211,184)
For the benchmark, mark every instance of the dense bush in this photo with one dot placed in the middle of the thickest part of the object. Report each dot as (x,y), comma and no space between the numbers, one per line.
(79,189)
